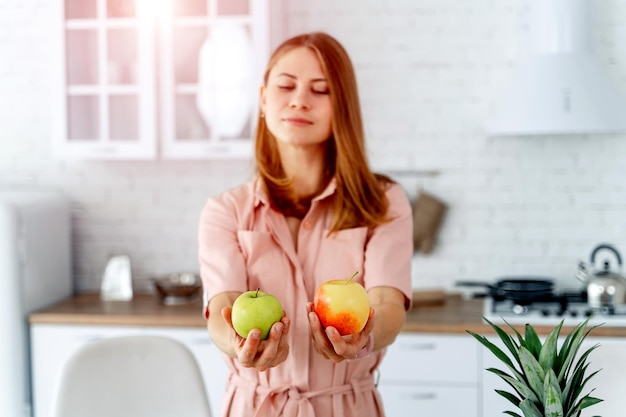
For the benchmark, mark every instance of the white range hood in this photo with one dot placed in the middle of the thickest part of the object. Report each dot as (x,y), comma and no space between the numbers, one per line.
(560,87)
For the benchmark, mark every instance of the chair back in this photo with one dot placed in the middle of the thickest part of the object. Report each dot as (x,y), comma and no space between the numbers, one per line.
(132,376)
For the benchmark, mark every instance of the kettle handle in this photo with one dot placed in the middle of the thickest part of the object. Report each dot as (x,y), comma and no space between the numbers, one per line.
(609,247)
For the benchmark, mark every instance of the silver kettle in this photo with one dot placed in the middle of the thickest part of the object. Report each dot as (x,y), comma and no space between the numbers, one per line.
(605,288)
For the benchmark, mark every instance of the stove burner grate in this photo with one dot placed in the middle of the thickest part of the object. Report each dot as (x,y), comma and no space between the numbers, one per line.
(571,307)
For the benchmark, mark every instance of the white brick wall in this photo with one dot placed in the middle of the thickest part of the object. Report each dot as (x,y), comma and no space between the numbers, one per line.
(427,70)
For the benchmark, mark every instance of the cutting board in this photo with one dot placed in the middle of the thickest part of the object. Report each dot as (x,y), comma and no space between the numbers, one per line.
(428,297)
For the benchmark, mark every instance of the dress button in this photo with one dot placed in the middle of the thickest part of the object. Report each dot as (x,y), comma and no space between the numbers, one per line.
(306,224)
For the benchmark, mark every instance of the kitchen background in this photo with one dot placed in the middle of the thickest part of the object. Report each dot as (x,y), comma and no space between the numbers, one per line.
(428,70)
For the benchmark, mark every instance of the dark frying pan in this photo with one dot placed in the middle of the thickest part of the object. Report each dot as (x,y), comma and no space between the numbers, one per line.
(518,289)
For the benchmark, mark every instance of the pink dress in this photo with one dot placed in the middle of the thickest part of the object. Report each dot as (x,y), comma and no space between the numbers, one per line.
(244,245)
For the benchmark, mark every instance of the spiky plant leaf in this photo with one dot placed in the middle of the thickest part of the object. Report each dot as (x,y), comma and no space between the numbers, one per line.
(517,375)
(512,398)
(520,339)
(529,409)
(547,356)
(549,381)
(575,407)
(533,371)
(584,402)
(508,341)
(564,351)
(552,402)
(506,378)
(493,348)
(588,401)
(582,360)
(501,373)
(577,380)
(522,388)
(574,386)
(533,344)
(569,350)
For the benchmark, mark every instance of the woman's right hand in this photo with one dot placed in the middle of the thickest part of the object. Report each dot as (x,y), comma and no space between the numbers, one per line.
(252,352)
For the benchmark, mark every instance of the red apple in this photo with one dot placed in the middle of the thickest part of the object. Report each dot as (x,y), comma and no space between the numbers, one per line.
(343,304)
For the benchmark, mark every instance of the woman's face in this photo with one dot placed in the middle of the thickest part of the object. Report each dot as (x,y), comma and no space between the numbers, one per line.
(296,100)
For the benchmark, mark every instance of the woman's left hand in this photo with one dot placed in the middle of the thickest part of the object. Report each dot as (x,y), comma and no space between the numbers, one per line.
(329,343)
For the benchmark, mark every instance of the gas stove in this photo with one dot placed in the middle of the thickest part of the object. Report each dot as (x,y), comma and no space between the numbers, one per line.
(571,307)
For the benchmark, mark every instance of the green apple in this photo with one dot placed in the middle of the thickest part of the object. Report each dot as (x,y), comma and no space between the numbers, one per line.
(255,310)
(343,304)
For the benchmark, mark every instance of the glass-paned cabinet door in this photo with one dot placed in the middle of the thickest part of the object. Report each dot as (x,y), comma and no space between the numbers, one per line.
(213,53)
(106,75)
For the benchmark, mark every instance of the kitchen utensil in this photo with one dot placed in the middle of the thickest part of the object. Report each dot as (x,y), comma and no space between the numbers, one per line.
(117,280)
(519,289)
(433,297)
(605,288)
(179,288)
(428,214)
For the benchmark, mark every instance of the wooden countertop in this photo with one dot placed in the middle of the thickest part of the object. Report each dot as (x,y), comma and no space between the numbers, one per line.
(450,315)
(143,310)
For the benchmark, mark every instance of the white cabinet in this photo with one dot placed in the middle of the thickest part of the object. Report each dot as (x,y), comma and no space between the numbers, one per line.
(609,383)
(429,374)
(175,78)
(106,74)
(52,346)
(212,57)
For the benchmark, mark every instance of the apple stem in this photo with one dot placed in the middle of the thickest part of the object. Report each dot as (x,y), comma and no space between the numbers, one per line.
(257,293)
(353,275)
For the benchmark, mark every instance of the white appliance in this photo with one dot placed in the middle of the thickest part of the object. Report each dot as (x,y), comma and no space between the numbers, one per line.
(35,271)
(559,87)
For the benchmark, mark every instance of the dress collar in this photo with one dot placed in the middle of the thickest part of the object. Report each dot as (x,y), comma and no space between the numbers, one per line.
(261,196)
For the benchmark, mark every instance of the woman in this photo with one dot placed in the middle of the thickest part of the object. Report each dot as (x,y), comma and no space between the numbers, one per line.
(315,212)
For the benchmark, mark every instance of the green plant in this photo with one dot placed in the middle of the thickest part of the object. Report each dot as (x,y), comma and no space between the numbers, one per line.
(548,382)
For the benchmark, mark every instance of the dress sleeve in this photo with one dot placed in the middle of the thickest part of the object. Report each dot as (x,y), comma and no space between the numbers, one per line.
(390,248)
(222,265)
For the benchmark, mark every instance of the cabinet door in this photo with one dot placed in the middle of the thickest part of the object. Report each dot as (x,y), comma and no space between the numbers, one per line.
(106,94)
(212,56)
(427,374)
(609,383)
(407,400)
(431,358)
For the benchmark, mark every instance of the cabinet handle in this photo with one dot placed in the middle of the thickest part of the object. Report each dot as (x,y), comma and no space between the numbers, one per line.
(201,341)
(421,346)
(106,150)
(420,396)
(91,338)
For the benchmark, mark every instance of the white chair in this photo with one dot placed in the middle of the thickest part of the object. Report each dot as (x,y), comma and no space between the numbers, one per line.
(132,376)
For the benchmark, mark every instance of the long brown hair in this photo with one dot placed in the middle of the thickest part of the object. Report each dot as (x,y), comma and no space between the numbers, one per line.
(360,198)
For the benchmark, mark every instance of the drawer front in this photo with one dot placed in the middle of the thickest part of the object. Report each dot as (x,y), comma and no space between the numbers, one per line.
(432,358)
(404,400)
